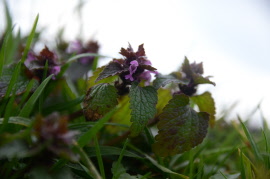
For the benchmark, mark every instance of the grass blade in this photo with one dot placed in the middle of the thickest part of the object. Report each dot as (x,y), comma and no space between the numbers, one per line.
(120,159)
(70,60)
(30,39)
(99,158)
(11,85)
(17,120)
(86,137)
(267,159)
(252,142)
(29,105)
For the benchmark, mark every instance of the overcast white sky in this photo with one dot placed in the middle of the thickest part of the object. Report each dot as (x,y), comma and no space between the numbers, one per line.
(231,37)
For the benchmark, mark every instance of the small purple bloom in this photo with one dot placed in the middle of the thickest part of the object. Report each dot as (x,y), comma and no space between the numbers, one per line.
(55,70)
(146,76)
(132,69)
(75,47)
(36,63)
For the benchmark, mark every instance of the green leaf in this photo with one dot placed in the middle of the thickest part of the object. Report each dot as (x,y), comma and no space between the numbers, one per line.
(163,80)
(143,102)
(99,100)
(180,127)
(206,103)
(113,68)
(164,96)
(30,104)
(121,117)
(92,80)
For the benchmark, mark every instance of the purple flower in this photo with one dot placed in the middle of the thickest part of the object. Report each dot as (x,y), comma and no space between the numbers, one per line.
(137,66)
(75,47)
(53,131)
(146,76)
(36,63)
(132,68)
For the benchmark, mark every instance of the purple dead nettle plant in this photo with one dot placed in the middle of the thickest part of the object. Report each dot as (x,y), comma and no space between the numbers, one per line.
(52,131)
(77,47)
(133,67)
(36,63)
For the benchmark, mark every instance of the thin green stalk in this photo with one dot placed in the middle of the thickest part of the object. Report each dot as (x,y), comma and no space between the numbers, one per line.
(120,157)
(87,162)
(151,140)
(30,39)
(99,158)
(41,98)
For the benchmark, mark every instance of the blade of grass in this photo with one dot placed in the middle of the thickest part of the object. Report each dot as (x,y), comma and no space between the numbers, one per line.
(41,98)
(252,142)
(99,158)
(246,169)
(29,40)
(120,158)
(109,150)
(164,169)
(63,106)
(223,175)
(11,85)
(17,120)
(30,104)
(70,60)
(3,51)
(156,164)
(86,137)
(267,159)
(89,165)
(95,64)
(8,110)
(27,92)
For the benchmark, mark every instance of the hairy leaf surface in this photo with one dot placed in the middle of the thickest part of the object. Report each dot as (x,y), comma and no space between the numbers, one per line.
(92,80)
(206,103)
(143,102)
(180,127)
(99,100)
(113,68)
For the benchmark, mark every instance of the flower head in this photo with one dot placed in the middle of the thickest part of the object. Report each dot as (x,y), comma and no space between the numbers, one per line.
(36,63)
(137,66)
(77,47)
(53,131)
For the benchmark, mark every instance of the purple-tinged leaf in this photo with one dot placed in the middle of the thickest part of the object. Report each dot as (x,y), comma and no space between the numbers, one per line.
(113,68)
(143,102)
(206,103)
(99,100)
(141,51)
(194,72)
(180,127)
(163,80)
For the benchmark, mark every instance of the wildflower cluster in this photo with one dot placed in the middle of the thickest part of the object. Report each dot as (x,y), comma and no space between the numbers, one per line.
(36,63)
